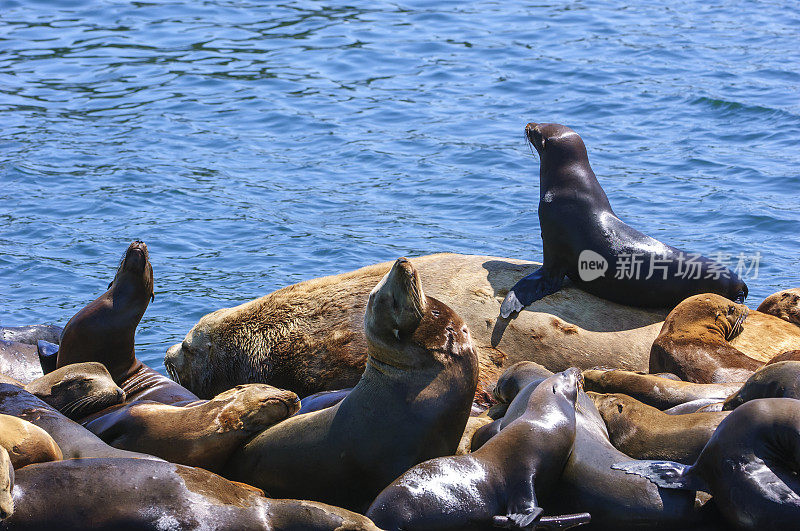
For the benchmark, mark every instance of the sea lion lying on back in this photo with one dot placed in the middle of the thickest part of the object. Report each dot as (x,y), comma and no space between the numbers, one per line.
(411,404)
(693,342)
(579,227)
(104,332)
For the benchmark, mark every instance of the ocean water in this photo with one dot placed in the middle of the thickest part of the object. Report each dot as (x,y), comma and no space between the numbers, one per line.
(257,144)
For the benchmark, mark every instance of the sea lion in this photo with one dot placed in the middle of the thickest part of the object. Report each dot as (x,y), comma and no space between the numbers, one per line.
(749,466)
(653,390)
(104,332)
(516,377)
(583,239)
(309,337)
(498,484)
(78,390)
(202,434)
(6,484)
(644,432)
(19,361)
(26,443)
(73,439)
(777,380)
(411,404)
(615,500)
(784,305)
(31,334)
(114,493)
(693,342)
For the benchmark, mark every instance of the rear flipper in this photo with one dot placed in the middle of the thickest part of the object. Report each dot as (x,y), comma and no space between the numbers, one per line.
(518,520)
(538,284)
(666,474)
(562,522)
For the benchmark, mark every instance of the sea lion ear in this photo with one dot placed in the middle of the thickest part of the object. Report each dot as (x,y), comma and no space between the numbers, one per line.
(109,284)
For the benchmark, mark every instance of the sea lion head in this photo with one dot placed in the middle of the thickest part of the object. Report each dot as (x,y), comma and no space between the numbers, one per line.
(78,390)
(135,266)
(255,407)
(709,311)
(555,142)
(516,377)
(406,329)
(6,485)
(784,304)
(615,408)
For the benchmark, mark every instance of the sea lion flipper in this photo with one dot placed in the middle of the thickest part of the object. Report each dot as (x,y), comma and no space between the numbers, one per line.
(666,474)
(564,521)
(538,284)
(518,520)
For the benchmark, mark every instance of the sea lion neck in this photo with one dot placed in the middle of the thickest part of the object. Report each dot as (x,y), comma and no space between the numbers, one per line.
(565,173)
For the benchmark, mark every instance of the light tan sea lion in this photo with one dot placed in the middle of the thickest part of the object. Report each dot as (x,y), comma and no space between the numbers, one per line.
(644,432)
(26,443)
(784,305)
(308,337)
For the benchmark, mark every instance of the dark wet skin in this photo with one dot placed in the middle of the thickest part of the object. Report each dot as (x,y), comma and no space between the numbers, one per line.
(575,215)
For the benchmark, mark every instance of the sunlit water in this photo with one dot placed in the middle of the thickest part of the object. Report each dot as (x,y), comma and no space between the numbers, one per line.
(253,145)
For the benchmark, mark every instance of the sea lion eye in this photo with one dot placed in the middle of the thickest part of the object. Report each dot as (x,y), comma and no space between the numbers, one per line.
(435,313)
(619,407)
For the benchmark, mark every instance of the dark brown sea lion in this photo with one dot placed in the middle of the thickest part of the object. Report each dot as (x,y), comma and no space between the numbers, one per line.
(31,334)
(78,390)
(73,439)
(693,342)
(583,239)
(501,482)
(516,377)
(411,404)
(777,380)
(104,332)
(202,434)
(126,494)
(26,443)
(783,304)
(653,390)
(19,361)
(644,432)
(750,466)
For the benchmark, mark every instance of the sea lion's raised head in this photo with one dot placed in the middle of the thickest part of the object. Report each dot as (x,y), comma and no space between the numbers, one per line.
(555,140)
(255,407)
(6,485)
(78,390)
(136,265)
(406,329)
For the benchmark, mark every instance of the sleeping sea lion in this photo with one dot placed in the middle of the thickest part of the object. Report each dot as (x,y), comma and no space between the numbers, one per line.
(583,239)
(26,443)
(104,332)
(644,432)
(411,404)
(783,304)
(694,341)
(202,434)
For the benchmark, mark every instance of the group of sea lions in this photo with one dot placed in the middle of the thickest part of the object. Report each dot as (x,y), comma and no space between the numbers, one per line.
(499,395)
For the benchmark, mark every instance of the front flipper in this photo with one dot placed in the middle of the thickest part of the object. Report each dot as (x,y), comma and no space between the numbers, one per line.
(665,474)
(518,520)
(538,284)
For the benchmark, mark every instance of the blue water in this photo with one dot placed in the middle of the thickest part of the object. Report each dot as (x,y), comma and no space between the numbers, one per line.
(254,144)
